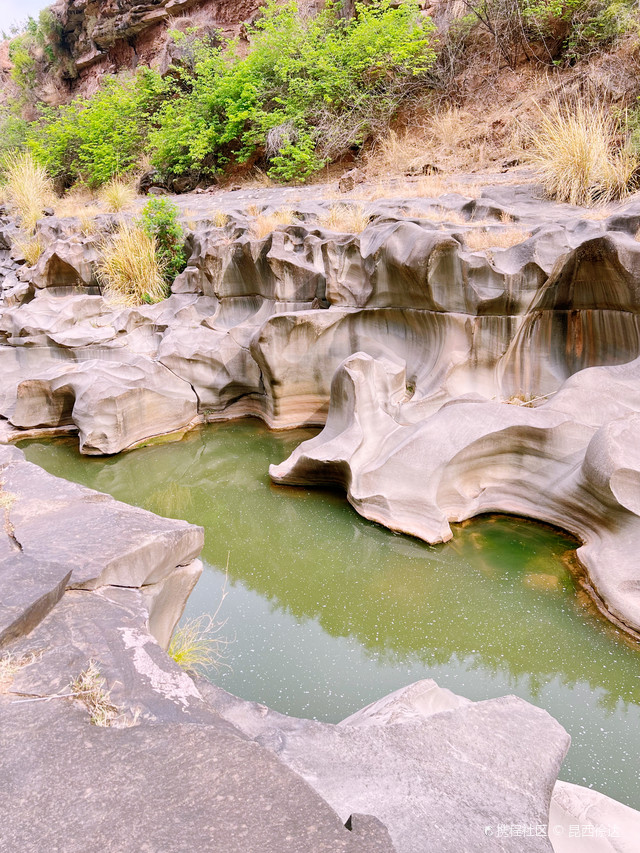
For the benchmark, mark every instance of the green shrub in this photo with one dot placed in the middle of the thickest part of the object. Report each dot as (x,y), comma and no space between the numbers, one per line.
(310,88)
(159,220)
(13,130)
(91,140)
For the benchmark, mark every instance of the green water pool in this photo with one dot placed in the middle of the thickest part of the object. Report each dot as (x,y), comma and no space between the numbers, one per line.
(326,612)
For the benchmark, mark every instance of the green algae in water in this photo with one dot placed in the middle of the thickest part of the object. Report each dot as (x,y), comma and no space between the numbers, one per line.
(328,612)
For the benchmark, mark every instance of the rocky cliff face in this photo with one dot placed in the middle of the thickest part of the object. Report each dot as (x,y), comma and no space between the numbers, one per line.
(91,39)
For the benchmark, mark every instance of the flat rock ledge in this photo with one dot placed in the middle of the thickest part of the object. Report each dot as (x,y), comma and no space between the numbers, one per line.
(86,581)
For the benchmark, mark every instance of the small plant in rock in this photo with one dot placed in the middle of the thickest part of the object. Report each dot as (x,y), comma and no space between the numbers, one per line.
(265,223)
(219,218)
(497,239)
(129,270)
(345,217)
(197,645)
(159,220)
(89,688)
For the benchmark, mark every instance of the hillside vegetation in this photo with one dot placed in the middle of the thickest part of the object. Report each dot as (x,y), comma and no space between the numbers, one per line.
(386,87)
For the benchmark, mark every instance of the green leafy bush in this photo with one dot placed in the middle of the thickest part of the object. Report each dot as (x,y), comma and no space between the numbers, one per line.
(309,89)
(93,139)
(159,220)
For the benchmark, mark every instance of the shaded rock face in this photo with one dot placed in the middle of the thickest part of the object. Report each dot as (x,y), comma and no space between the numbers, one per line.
(104,37)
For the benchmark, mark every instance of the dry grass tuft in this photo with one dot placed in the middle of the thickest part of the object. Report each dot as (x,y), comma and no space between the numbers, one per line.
(28,189)
(129,271)
(498,239)
(31,247)
(197,645)
(10,665)
(117,195)
(219,218)
(529,401)
(265,223)
(578,156)
(88,687)
(78,201)
(348,218)
(254,210)
(449,217)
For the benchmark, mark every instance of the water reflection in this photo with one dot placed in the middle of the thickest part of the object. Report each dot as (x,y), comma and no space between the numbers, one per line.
(330,612)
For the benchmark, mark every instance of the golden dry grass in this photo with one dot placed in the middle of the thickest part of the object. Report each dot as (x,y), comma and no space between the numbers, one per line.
(28,189)
(348,218)
(117,195)
(440,215)
(481,238)
(78,201)
(254,210)
(577,154)
(219,218)
(31,247)
(128,270)
(265,223)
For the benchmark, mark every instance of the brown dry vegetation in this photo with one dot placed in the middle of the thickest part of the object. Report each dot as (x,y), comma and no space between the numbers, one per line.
(266,223)
(350,218)
(482,238)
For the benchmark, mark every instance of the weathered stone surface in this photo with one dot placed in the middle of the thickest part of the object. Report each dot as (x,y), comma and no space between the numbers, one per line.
(615,827)
(68,786)
(418,465)
(100,539)
(436,769)
(111,627)
(259,325)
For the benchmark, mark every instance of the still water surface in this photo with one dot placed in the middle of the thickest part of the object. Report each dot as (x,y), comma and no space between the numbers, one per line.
(327,612)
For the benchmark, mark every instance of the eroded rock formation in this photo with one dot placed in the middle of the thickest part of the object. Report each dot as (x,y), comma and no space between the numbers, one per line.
(425,338)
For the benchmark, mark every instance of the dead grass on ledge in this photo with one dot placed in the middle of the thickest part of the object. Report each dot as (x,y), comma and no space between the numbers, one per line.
(89,688)
(31,247)
(528,401)
(219,218)
(577,152)
(128,269)
(347,218)
(438,215)
(498,239)
(11,664)
(266,223)
(117,195)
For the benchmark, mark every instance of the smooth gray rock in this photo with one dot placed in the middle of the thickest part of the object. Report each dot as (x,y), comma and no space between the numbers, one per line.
(434,768)
(100,539)
(69,787)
